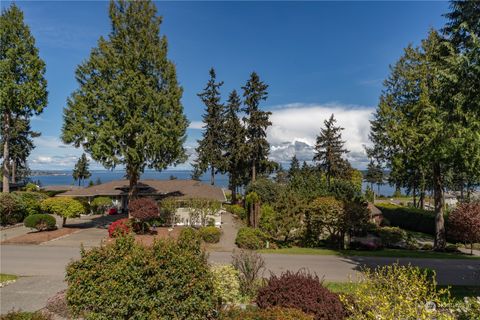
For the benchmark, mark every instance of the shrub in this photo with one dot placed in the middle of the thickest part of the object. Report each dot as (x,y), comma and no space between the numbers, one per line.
(143,209)
(324,216)
(264,314)
(392,236)
(412,219)
(237,210)
(31,187)
(250,266)
(210,234)
(19,315)
(64,207)
(31,201)
(303,291)
(226,283)
(58,304)
(126,280)
(11,209)
(395,292)
(100,204)
(250,238)
(464,223)
(268,220)
(41,222)
(468,309)
(190,237)
(119,228)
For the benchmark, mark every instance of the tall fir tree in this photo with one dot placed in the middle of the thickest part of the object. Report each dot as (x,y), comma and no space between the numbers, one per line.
(374,175)
(235,146)
(329,151)
(294,167)
(210,147)
(257,121)
(127,109)
(81,172)
(23,88)
(463,21)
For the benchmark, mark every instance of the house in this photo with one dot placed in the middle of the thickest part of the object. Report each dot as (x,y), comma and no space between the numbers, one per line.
(181,190)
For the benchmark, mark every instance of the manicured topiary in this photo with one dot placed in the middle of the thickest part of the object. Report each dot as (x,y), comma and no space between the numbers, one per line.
(41,222)
(210,234)
(119,228)
(264,314)
(64,207)
(250,238)
(12,209)
(303,291)
(126,280)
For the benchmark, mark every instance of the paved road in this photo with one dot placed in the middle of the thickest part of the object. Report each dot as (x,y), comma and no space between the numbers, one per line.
(42,269)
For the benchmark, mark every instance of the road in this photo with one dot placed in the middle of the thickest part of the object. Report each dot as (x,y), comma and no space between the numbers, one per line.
(42,270)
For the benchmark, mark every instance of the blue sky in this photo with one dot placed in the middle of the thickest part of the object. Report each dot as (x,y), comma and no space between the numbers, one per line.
(318,58)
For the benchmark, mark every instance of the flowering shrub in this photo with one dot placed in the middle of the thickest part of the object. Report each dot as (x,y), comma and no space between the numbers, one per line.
(265,314)
(303,291)
(396,292)
(225,283)
(119,228)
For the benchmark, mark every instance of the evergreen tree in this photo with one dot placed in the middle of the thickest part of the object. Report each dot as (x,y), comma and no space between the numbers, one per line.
(257,122)
(23,88)
(374,175)
(463,20)
(210,148)
(235,147)
(80,172)
(329,151)
(127,110)
(294,167)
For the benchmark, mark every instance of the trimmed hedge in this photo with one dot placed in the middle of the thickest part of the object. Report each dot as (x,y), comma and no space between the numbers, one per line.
(250,238)
(126,280)
(41,222)
(210,234)
(412,219)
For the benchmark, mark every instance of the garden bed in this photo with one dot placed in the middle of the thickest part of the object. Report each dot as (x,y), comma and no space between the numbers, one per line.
(37,237)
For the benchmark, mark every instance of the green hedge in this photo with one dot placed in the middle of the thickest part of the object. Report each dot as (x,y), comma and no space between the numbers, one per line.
(210,234)
(249,238)
(41,222)
(31,201)
(412,219)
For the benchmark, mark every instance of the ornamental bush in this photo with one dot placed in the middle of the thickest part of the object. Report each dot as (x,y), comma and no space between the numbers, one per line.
(143,209)
(64,207)
(126,280)
(31,201)
(264,314)
(250,238)
(464,223)
(41,222)
(396,292)
(119,228)
(303,291)
(237,210)
(226,283)
(210,234)
(392,236)
(12,209)
(100,204)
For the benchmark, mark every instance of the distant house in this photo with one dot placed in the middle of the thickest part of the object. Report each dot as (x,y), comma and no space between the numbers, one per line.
(156,189)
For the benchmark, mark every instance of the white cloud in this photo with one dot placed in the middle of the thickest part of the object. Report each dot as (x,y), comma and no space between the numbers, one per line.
(196,125)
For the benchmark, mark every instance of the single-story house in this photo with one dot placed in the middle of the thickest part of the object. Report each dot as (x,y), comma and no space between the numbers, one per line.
(157,189)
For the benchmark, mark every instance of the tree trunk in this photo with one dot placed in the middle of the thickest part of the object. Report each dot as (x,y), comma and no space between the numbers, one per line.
(233,189)
(64,222)
(14,172)
(212,176)
(422,199)
(440,239)
(6,154)
(414,196)
(254,171)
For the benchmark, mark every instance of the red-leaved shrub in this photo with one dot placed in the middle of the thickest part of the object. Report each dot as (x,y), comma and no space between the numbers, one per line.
(303,291)
(464,223)
(119,227)
(143,209)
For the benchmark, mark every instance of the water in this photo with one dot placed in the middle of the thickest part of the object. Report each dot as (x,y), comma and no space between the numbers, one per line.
(221,180)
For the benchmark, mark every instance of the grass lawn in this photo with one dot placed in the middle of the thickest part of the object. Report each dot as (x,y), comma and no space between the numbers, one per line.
(393,253)
(7,277)
(457,292)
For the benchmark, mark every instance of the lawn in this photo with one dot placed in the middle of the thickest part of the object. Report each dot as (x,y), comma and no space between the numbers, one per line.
(392,253)
(7,277)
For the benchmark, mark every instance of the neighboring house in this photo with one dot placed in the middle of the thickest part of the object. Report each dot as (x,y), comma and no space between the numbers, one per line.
(156,189)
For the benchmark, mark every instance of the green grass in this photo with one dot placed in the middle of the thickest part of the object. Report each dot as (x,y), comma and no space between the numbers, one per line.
(7,277)
(392,253)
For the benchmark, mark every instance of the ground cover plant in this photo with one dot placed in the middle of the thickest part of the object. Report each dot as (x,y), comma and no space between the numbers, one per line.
(41,222)
(125,280)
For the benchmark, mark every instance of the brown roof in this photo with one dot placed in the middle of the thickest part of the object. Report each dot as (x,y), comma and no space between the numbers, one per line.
(183,189)
(60,188)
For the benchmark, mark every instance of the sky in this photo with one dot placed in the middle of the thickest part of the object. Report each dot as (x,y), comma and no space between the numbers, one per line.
(318,58)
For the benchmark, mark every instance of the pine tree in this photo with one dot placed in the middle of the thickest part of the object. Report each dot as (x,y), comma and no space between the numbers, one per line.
(257,122)
(210,147)
(235,146)
(127,110)
(81,172)
(463,20)
(294,167)
(374,175)
(329,151)
(23,88)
